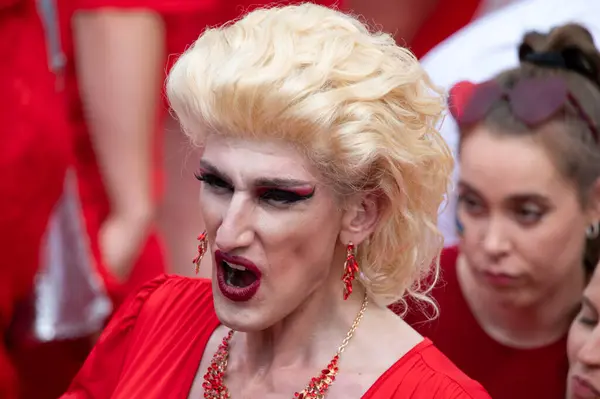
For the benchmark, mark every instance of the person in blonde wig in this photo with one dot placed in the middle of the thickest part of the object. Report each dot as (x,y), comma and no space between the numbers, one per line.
(322,172)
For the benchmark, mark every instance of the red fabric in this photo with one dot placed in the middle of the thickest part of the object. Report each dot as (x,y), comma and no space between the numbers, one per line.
(34,153)
(447,18)
(153,347)
(505,372)
(46,369)
(8,3)
(161,6)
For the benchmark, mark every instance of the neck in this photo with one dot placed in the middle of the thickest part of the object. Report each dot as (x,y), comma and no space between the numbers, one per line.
(522,325)
(310,336)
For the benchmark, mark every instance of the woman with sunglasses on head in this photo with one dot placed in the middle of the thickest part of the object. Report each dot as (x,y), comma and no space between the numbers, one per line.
(529,204)
(583,346)
(322,173)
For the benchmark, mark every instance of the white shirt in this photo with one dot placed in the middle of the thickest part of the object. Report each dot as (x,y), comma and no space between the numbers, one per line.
(488,46)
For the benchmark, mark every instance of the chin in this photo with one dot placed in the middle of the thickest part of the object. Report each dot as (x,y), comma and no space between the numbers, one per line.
(239,316)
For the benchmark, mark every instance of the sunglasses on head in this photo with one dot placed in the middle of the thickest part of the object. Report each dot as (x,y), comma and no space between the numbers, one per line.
(533,101)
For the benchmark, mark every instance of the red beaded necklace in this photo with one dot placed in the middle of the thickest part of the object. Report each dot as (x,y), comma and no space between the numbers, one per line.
(214,386)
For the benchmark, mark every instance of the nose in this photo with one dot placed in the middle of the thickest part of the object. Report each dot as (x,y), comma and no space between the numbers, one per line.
(495,240)
(589,354)
(236,229)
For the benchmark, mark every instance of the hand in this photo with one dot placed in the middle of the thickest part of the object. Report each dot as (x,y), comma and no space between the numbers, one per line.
(121,239)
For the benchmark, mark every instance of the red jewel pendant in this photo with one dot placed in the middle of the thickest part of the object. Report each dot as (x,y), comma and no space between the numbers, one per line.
(318,386)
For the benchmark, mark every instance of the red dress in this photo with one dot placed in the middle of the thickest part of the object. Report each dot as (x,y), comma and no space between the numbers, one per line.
(153,346)
(506,373)
(35,152)
(35,149)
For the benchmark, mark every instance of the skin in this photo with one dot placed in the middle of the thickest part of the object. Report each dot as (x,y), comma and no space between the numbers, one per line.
(120,61)
(584,341)
(290,330)
(520,266)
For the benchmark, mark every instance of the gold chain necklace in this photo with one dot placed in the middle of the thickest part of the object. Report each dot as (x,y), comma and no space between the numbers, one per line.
(214,386)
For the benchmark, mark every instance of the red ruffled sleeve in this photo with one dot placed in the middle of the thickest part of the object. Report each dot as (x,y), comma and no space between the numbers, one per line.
(100,373)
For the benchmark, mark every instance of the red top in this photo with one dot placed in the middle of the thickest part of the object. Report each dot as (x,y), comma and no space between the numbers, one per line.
(446,19)
(35,150)
(153,346)
(506,373)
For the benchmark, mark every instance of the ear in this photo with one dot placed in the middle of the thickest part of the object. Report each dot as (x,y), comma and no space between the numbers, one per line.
(360,218)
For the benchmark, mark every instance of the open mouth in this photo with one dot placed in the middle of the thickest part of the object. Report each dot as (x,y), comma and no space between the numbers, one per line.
(238,276)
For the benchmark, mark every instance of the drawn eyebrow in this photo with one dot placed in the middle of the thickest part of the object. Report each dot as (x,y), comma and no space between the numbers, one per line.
(279,182)
(210,168)
(273,182)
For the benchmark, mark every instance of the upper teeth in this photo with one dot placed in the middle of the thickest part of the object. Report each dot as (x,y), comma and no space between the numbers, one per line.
(236,267)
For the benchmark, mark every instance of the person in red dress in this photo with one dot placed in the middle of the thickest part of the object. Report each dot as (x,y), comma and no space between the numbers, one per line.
(311,130)
(117,59)
(35,151)
(529,195)
(583,345)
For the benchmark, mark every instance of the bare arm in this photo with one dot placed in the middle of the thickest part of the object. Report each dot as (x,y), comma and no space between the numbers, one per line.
(120,61)
(401,18)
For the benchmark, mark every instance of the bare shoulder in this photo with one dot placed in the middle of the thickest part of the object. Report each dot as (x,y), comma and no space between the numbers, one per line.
(382,339)
(394,359)
(385,338)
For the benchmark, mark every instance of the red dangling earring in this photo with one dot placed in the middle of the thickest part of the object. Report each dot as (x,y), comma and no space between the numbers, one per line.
(202,245)
(350,269)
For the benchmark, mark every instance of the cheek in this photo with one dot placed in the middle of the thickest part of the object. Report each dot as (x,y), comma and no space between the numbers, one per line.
(212,208)
(300,241)
(554,248)
(577,338)
(472,231)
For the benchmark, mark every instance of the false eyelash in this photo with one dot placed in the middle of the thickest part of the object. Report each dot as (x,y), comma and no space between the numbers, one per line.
(283,196)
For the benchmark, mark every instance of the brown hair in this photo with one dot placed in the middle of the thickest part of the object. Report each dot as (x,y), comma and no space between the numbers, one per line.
(567,51)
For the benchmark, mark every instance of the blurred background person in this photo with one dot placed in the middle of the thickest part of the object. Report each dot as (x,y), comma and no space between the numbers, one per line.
(529,204)
(114,65)
(486,47)
(35,152)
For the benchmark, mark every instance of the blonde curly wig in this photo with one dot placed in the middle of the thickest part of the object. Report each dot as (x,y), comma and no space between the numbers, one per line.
(360,108)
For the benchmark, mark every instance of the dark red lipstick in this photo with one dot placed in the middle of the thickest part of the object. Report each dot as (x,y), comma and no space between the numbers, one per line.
(238,278)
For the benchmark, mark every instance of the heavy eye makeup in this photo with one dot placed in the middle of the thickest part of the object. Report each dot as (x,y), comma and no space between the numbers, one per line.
(277,192)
